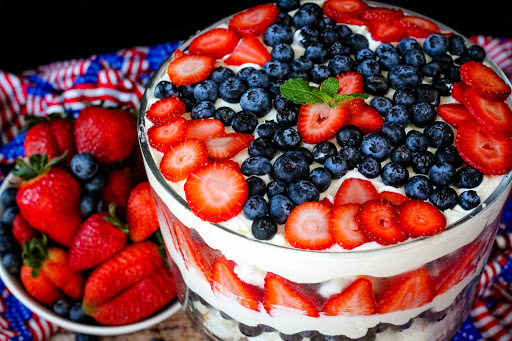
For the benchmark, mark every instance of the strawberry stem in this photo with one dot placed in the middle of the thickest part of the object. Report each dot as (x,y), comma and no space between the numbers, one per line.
(114,220)
(37,164)
(34,253)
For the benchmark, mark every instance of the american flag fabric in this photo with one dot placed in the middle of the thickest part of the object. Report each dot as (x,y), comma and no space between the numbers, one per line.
(119,79)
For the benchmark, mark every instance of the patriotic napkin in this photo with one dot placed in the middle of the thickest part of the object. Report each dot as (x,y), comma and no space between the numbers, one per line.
(119,79)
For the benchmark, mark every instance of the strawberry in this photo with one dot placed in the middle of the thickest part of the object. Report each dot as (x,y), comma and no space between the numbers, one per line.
(345,11)
(231,163)
(216,43)
(457,271)
(116,189)
(249,50)
(216,192)
(381,13)
(141,212)
(367,118)
(420,218)
(49,198)
(345,228)
(386,31)
(183,158)
(226,282)
(283,294)
(99,238)
(202,128)
(458,90)
(355,300)
(318,122)
(350,82)
(22,231)
(455,114)
(484,81)
(354,190)
(254,20)
(110,135)
(307,226)
(178,54)
(496,116)
(418,27)
(226,145)
(164,136)
(406,291)
(377,220)
(190,69)
(166,110)
(486,152)
(39,287)
(393,197)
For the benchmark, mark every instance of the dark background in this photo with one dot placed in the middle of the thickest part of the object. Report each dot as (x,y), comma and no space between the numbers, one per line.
(36,33)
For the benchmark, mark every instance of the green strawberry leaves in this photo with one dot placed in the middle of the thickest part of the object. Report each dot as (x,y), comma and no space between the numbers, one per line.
(34,253)
(37,165)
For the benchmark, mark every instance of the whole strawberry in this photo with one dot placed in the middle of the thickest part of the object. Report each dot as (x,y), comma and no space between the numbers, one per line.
(108,134)
(49,198)
(141,213)
(116,190)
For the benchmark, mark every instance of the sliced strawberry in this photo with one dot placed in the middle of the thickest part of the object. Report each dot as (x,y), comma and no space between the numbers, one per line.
(216,43)
(455,114)
(350,82)
(318,122)
(227,283)
(282,294)
(393,197)
(458,90)
(225,146)
(386,31)
(254,20)
(420,218)
(418,27)
(345,11)
(377,220)
(381,13)
(495,116)
(190,69)
(164,136)
(202,128)
(326,201)
(178,54)
(345,228)
(307,226)
(216,192)
(183,158)
(367,119)
(486,152)
(249,50)
(357,191)
(456,272)
(406,291)
(356,300)
(231,163)
(166,110)
(484,80)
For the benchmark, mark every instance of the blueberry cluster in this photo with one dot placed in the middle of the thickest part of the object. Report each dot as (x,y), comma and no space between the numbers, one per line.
(9,250)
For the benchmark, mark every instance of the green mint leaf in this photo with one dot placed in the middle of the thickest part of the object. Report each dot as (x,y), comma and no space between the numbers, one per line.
(330,87)
(299,91)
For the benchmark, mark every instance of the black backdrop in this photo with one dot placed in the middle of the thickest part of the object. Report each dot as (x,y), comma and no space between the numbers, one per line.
(35,33)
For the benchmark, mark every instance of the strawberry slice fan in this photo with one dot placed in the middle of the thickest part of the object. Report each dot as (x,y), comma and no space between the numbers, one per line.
(118,79)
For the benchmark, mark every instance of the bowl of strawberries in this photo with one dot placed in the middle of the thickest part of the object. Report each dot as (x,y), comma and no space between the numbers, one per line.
(80,244)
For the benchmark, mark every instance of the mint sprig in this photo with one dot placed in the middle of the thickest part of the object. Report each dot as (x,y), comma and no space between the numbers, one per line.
(299,91)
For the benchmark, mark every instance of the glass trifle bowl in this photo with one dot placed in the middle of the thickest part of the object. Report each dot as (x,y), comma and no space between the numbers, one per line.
(236,286)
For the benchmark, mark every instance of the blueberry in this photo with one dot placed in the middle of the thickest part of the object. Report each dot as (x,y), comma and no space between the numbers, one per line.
(416,141)
(337,166)
(329,35)
(256,101)
(256,186)
(352,155)
(255,165)
(442,173)
(7,244)
(95,184)
(263,228)
(8,197)
(439,134)
(84,166)
(324,150)
(12,263)
(287,116)
(301,191)
(261,146)
(357,41)
(432,69)
(287,5)
(276,69)
(232,89)
(423,114)
(456,45)
(443,86)
(364,54)
(204,109)
(280,208)
(308,35)
(452,74)
(381,104)
(76,313)
(225,115)
(422,161)
(189,102)
(404,76)
(302,64)
(281,102)
(402,155)
(376,145)
(468,177)
(277,34)
(289,167)
(244,122)
(388,56)
(326,23)
(340,63)
(283,52)
(244,72)
(435,44)
(267,129)
(300,74)
(450,155)
(206,90)
(320,73)
(376,85)
(61,307)
(394,174)
(395,132)
(414,58)
(321,178)
(344,31)
(443,197)
(165,89)
(476,53)
(89,203)
(304,17)
(429,94)
(349,135)
(9,214)
(445,61)
(220,74)
(258,79)
(408,44)
(339,48)
(317,53)
(286,139)
(368,68)
(469,200)
(255,207)
(369,167)
(186,90)
(274,88)
(284,19)
(405,97)
(418,187)
(305,153)
(276,187)
(398,113)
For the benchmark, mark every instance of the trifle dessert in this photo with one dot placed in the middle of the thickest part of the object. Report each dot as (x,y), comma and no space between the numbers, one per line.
(328,171)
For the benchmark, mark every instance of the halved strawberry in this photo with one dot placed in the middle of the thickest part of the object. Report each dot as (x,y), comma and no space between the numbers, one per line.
(216,192)
(318,122)
(254,20)
(484,80)
(226,145)
(231,163)
(181,159)
(166,110)
(249,50)
(458,90)
(345,228)
(190,69)
(377,220)
(386,31)
(282,294)
(382,13)
(307,226)
(486,152)
(345,11)
(406,291)
(457,271)
(355,300)
(455,114)
(217,43)
(354,190)
(227,283)
(420,218)
(418,27)
(350,82)
(164,136)
(367,119)
(393,197)
(178,54)
(202,128)
(496,116)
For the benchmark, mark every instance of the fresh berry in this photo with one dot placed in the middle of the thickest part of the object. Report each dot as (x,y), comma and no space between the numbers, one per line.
(468,177)
(318,122)
(301,191)
(366,118)
(418,27)
(404,76)
(84,166)
(386,31)
(354,190)
(245,122)
(255,165)
(455,114)
(216,43)
(277,34)
(255,207)
(287,139)
(393,197)
(458,90)
(39,287)
(419,218)
(469,200)
(435,44)
(249,50)
(394,174)
(416,141)
(232,89)
(225,146)
(8,197)
(444,197)
(307,227)
(355,300)
(456,272)
(201,129)
(422,114)
(165,89)
(22,231)
(345,11)
(206,90)
(203,109)
(350,82)
(12,263)
(254,21)
(256,101)
(376,145)
(190,69)
(484,81)
(349,136)
(345,228)
(166,110)
(141,213)
(377,220)
(381,13)
(442,174)
(182,159)
(161,137)
(264,228)
(280,208)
